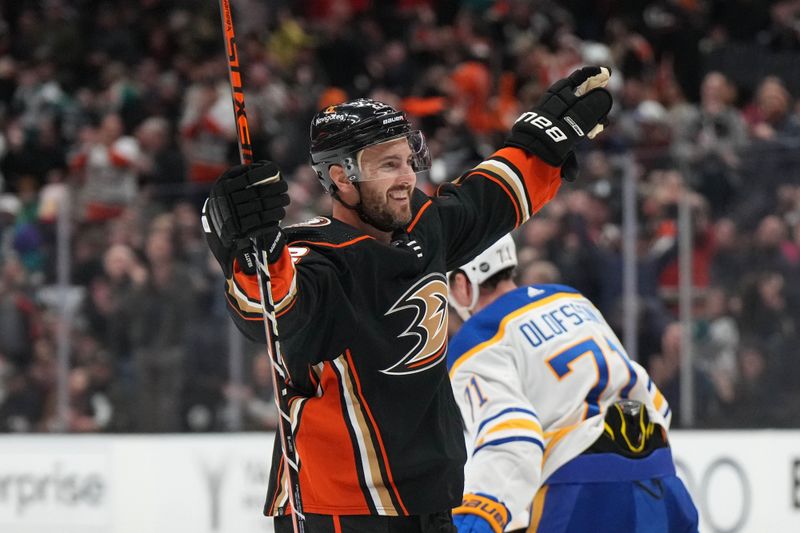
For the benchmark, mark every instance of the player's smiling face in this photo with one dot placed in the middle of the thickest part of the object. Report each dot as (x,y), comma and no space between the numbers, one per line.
(388,181)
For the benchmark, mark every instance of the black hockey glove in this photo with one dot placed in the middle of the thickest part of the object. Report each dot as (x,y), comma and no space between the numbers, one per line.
(571,109)
(247,201)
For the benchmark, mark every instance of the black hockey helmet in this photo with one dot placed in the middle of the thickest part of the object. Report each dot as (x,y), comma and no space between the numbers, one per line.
(339,132)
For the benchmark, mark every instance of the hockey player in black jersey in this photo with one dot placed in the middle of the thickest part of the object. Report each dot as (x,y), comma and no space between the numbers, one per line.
(361,298)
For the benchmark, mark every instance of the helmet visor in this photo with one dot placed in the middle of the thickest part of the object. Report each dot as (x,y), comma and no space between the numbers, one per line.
(393,158)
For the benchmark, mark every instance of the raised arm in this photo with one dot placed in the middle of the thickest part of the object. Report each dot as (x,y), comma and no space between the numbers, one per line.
(506,189)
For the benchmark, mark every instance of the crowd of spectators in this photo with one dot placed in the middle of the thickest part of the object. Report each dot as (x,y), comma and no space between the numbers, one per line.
(117,115)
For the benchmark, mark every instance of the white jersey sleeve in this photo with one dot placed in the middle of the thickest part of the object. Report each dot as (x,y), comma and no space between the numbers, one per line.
(533,374)
(505,443)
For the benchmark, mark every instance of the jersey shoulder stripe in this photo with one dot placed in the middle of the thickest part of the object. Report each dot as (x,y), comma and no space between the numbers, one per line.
(503,170)
(487,327)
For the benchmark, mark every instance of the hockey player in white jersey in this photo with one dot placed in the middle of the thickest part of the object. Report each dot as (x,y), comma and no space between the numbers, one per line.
(565,433)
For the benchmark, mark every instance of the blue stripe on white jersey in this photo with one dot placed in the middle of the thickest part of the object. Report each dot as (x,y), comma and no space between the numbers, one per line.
(512,424)
(486,421)
(499,442)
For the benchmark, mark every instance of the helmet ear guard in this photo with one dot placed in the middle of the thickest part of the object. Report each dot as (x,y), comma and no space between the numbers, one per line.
(499,256)
(464,311)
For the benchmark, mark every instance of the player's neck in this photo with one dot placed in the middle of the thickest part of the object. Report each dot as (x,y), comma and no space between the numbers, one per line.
(487,298)
(349,216)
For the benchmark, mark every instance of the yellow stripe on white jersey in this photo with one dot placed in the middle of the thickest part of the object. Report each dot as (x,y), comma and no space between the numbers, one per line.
(519,423)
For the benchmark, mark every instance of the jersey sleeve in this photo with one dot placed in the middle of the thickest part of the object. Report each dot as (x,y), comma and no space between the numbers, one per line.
(647,392)
(244,296)
(304,285)
(505,442)
(492,199)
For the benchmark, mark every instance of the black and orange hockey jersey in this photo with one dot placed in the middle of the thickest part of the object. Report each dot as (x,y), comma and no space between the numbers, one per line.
(363,328)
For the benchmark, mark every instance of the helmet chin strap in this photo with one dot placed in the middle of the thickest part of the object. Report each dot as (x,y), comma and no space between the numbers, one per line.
(359,210)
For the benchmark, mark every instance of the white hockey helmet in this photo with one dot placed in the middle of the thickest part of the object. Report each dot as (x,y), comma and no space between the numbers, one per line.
(499,256)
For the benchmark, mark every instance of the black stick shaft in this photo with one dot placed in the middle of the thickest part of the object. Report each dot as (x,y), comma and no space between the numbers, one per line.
(279,376)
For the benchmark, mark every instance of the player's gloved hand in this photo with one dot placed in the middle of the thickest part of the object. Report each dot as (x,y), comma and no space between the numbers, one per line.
(571,109)
(249,201)
(480,513)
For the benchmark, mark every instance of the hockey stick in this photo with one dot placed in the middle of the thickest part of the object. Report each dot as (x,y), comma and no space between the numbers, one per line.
(279,377)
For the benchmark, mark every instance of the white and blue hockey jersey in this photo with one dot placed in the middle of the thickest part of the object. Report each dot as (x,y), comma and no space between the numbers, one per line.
(533,374)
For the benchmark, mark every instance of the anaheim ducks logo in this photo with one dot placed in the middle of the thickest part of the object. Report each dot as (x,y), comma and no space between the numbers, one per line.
(428,298)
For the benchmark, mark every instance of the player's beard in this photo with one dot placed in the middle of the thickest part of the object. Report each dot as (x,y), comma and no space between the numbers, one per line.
(384,213)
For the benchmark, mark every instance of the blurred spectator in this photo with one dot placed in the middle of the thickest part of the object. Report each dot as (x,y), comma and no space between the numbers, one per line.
(769,251)
(38,96)
(755,389)
(157,312)
(769,116)
(90,409)
(738,20)
(539,272)
(709,141)
(340,54)
(665,369)
(728,263)
(19,319)
(256,396)
(207,129)
(767,317)
(107,305)
(22,407)
(161,164)
(669,189)
(646,128)
(32,151)
(105,164)
(717,344)
(782,33)
(10,207)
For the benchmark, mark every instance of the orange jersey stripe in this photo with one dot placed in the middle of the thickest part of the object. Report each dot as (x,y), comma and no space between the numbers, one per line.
(281,274)
(377,432)
(329,480)
(248,297)
(422,209)
(331,245)
(541,180)
(248,283)
(428,359)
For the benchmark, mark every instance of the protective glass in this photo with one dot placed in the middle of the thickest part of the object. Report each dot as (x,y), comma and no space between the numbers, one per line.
(397,157)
